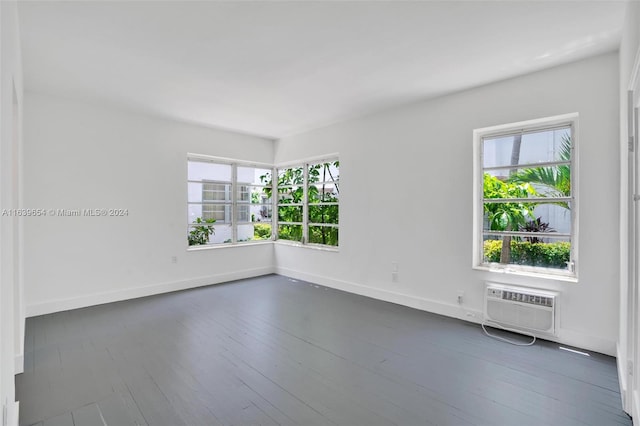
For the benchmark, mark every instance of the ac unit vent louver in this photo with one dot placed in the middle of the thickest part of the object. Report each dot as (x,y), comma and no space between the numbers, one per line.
(520,308)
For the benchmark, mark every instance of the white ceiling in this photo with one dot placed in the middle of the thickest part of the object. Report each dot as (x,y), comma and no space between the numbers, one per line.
(277,68)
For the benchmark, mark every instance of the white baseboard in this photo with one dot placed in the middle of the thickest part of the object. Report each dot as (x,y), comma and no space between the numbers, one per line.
(566,337)
(19,364)
(421,303)
(586,341)
(136,292)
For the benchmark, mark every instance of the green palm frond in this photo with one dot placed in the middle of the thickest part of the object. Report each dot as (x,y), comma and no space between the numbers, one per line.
(555,181)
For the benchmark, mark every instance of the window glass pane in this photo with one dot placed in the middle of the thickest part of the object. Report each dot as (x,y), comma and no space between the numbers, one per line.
(251,232)
(323,192)
(290,214)
(290,176)
(200,170)
(244,193)
(323,214)
(550,253)
(209,191)
(242,213)
(214,191)
(254,194)
(261,231)
(194,212)
(260,212)
(550,181)
(254,176)
(528,148)
(290,232)
(260,195)
(323,235)
(527,217)
(324,172)
(203,234)
(219,212)
(290,195)
(194,192)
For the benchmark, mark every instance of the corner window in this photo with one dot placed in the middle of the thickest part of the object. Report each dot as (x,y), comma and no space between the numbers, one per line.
(525,213)
(233,203)
(227,203)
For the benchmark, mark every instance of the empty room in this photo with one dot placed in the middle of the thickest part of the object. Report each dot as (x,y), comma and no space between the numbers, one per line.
(352,213)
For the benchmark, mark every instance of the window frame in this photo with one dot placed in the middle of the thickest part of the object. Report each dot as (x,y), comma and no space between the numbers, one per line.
(304,164)
(336,183)
(302,205)
(235,201)
(522,127)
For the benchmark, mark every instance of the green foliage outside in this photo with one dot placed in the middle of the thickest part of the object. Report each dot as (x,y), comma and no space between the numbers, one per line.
(555,181)
(548,255)
(507,216)
(290,191)
(261,231)
(290,232)
(199,235)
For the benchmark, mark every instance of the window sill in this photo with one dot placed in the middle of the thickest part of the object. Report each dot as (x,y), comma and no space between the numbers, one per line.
(530,274)
(307,246)
(224,246)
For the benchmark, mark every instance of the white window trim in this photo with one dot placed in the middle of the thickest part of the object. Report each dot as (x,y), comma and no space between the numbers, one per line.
(478,208)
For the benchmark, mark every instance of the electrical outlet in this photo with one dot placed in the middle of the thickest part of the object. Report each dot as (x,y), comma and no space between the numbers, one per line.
(460,297)
(174,259)
(394,277)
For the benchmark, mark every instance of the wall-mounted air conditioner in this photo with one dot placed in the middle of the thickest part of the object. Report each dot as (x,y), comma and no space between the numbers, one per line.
(520,308)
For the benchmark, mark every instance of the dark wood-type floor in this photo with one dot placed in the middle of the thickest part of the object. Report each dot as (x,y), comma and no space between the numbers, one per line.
(275,351)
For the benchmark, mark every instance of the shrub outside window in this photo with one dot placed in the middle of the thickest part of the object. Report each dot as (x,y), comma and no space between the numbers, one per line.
(526,210)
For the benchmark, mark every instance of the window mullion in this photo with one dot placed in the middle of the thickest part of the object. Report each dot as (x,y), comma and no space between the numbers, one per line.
(234,203)
(527,234)
(541,200)
(305,204)
(274,203)
(528,165)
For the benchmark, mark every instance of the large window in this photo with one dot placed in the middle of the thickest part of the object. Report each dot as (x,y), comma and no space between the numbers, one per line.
(308,203)
(526,210)
(227,203)
(231,203)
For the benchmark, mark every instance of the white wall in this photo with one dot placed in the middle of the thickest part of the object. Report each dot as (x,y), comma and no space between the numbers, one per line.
(80,156)
(11,304)
(388,215)
(628,49)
